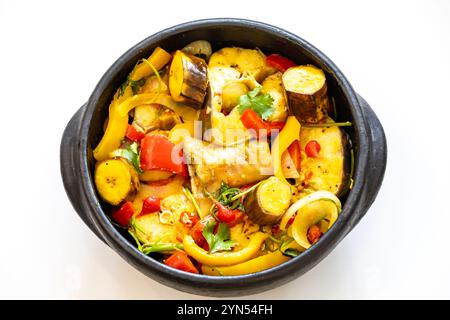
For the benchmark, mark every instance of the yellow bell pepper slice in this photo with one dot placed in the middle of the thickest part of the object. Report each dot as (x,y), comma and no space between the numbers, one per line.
(224,258)
(289,133)
(117,123)
(118,119)
(158,59)
(261,263)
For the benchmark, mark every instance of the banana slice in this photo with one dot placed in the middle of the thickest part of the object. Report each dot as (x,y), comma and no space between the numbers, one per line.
(116,180)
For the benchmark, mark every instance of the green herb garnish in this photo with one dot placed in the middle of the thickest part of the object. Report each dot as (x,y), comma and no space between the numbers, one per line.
(136,85)
(262,104)
(123,87)
(226,196)
(221,240)
(131,153)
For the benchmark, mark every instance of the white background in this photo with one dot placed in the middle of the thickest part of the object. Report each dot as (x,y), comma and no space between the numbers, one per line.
(396,55)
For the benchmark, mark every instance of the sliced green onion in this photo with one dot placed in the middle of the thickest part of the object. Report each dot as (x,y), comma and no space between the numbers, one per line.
(191,197)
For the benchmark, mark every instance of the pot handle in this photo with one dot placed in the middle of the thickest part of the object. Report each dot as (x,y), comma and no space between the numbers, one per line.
(68,166)
(377,157)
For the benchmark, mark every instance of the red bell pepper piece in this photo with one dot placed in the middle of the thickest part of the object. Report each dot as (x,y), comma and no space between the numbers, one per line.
(158,152)
(276,229)
(197,231)
(189,219)
(124,214)
(238,218)
(312,149)
(133,134)
(279,62)
(179,260)
(296,154)
(251,120)
(151,204)
(225,214)
(291,219)
(314,234)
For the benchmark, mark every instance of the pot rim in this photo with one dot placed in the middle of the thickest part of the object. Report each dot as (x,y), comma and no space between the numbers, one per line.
(310,257)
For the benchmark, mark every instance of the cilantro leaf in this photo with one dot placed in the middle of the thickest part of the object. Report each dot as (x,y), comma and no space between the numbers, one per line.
(219,241)
(131,153)
(262,104)
(136,85)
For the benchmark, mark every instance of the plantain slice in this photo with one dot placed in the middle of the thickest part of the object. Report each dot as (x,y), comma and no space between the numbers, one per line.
(267,203)
(116,180)
(188,79)
(306,91)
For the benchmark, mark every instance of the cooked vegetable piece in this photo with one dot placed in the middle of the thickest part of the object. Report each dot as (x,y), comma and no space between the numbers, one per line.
(236,166)
(267,203)
(189,219)
(312,149)
(154,175)
(158,152)
(314,233)
(328,169)
(251,61)
(261,263)
(197,231)
(159,58)
(311,214)
(289,134)
(149,230)
(188,79)
(295,153)
(151,204)
(251,120)
(179,260)
(198,48)
(185,112)
(171,186)
(231,93)
(134,134)
(288,166)
(323,196)
(124,214)
(306,90)
(279,62)
(153,116)
(116,180)
(224,258)
(273,86)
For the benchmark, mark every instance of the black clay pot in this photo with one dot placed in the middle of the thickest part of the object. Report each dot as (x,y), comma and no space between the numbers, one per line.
(84,131)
